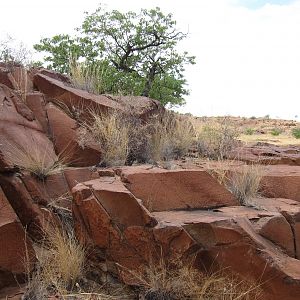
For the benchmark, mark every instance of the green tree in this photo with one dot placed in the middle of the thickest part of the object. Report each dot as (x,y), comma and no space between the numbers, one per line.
(141,49)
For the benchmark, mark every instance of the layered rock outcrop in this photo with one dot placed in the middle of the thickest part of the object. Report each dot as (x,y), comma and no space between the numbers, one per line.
(130,217)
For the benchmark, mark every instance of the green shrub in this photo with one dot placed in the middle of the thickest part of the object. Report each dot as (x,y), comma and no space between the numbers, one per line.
(296,132)
(276,131)
(249,131)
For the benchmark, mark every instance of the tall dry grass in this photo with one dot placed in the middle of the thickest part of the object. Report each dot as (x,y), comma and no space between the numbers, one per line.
(182,281)
(215,139)
(37,159)
(124,138)
(172,137)
(89,77)
(61,261)
(109,131)
(244,183)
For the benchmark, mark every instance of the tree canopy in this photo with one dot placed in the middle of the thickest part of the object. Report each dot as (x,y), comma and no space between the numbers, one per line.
(137,53)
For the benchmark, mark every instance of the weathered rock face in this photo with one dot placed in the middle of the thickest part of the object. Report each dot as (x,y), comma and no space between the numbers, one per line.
(15,246)
(22,137)
(71,98)
(65,135)
(254,243)
(180,189)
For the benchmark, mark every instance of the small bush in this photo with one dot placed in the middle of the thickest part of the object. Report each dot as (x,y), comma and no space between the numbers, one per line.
(276,131)
(249,131)
(216,140)
(296,132)
(244,183)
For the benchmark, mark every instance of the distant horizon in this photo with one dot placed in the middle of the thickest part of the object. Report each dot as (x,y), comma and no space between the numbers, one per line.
(247,52)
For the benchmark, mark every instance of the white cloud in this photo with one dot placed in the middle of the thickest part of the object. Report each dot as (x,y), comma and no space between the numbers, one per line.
(248,61)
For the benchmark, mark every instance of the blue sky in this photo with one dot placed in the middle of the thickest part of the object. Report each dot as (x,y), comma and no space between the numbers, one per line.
(255,4)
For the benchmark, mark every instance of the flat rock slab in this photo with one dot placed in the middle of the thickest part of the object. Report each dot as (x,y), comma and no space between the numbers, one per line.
(281,181)
(161,190)
(269,154)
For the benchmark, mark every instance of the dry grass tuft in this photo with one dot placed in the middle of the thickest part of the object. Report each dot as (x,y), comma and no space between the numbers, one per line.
(244,183)
(89,77)
(60,265)
(161,282)
(37,160)
(111,133)
(172,137)
(125,138)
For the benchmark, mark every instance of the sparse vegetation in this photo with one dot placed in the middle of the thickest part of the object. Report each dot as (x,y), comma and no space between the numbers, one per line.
(35,158)
(60,265)
(249,131)
(111,132)
(171,137)
(13,52)
(296,132)
(244,183)
(276,131)
(124,138)
(217,139)
(179,281)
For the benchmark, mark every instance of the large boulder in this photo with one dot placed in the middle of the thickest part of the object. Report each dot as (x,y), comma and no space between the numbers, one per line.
(231,241)
(36,218)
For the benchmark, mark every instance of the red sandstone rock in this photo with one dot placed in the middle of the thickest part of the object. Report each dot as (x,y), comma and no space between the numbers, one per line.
(269,154)
(55,75)
(13,245)
(123,208)
(73,98)
(53,190)
(65,134)
(22,139)
(281,182)
(231,242)
(160,189)
(16,77)
(35,218)
(36,102)
(78,175)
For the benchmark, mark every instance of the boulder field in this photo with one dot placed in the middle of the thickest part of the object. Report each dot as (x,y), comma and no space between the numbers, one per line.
(131,216)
